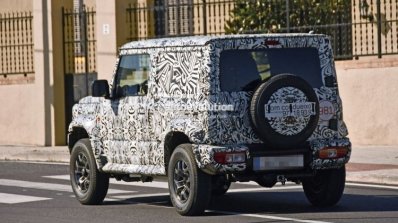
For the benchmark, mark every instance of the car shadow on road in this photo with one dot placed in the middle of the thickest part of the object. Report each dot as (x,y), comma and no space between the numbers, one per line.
(295,202)
(286,202)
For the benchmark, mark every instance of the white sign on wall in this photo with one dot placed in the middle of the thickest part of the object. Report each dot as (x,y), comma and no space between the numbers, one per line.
(106,29)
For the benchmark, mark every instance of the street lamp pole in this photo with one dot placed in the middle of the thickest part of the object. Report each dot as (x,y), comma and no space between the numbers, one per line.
(378,29)
(287,16)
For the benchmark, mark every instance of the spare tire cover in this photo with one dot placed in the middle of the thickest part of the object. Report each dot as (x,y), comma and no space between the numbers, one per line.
(284,111)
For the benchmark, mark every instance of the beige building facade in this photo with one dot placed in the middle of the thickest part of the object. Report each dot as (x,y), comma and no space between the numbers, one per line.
(368,88)
(32,105)
(31,109)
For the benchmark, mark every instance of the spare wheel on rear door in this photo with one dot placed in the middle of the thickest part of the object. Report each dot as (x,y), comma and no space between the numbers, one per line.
(284,111)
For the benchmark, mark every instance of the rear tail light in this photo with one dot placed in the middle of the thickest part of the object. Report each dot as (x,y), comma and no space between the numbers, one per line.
(271,42)
(333,152)
(229,157)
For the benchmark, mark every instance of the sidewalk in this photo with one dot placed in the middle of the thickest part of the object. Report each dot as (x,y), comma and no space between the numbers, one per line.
(368,164)
(35,153)
(373,164)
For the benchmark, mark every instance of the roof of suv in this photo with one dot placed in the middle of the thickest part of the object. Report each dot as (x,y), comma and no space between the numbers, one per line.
(203,40)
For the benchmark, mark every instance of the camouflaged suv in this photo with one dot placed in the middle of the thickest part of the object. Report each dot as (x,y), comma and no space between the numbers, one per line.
(208,111)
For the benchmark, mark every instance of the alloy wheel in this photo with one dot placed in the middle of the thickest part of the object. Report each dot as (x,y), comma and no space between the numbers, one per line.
(82,173)
(182,184)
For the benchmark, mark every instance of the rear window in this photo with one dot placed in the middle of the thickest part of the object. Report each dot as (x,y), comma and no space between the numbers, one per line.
(244,70)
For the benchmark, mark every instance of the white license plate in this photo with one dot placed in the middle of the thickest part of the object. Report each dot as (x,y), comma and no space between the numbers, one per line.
(278,162)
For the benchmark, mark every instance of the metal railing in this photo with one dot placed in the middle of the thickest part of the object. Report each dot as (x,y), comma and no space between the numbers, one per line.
(177,18)
(16,44)
(375,27)
(79,40)
(353,33)
(79,47)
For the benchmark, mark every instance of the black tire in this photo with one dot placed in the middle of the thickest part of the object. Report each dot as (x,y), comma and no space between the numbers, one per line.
(189,187)
(290,130)
(89,185)
(220,185)
(325,188)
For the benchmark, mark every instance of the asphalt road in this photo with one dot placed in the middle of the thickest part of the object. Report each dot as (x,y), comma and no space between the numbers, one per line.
(39,192)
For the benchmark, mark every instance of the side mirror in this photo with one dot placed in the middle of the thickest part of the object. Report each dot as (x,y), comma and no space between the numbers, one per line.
(100,88)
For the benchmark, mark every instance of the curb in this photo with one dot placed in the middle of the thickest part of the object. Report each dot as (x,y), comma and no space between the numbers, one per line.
(35,154)
(384,177)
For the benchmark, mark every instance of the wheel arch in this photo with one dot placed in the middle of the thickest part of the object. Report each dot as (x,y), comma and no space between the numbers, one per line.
(171,141)
(77,133)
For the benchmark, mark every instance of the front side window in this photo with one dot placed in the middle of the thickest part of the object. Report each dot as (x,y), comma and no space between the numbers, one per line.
(132,75)
(244,70)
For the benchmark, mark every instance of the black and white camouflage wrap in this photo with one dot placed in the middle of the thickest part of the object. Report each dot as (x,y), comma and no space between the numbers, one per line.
(319,144)
(288,123)
(205,158)
(128,134)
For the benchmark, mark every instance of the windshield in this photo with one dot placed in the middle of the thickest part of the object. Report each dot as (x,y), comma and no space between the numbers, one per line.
(244,70)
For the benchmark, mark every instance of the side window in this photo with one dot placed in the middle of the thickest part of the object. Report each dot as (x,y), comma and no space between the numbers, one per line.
(132,75)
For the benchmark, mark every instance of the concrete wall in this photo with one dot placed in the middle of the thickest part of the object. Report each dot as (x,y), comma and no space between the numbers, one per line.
(15,5)
(106,38)
(369,90)
(22,113)
(57,85)
(30,111)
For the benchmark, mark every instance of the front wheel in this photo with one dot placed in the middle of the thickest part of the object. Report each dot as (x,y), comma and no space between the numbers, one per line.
(325,188)
(189,187)
(89,185)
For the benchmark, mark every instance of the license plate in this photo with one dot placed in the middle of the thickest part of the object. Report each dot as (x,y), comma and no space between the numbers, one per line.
(278,162)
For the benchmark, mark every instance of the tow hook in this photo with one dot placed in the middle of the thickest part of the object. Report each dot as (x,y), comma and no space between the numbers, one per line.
(281,178)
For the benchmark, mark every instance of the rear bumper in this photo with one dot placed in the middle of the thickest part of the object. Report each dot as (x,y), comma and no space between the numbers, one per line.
(204,155)
(317,145)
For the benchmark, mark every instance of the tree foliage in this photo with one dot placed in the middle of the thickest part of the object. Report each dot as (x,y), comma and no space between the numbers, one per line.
(263,16)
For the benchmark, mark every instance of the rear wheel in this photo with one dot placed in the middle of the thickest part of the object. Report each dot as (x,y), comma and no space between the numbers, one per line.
(188,185)
(325,188)
(89,185)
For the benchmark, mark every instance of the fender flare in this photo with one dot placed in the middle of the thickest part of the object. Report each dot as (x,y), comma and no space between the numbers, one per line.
(193,129)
